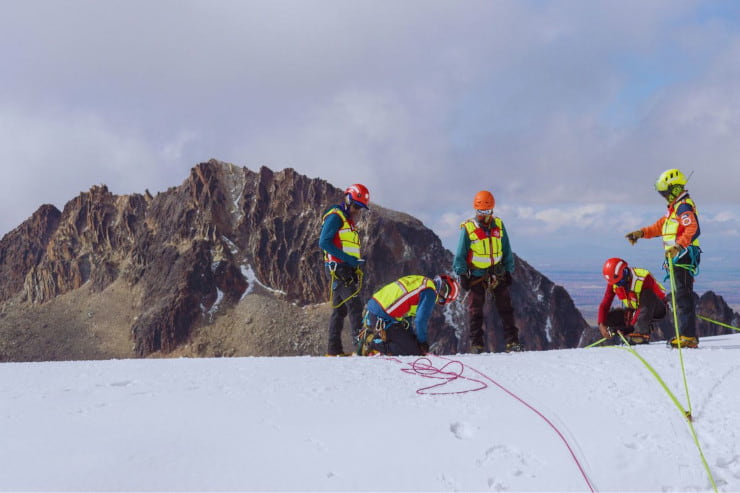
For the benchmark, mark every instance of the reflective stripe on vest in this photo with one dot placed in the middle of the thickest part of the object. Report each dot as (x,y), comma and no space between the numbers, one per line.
(631,298)
(400,298)
(672,223)
(347,238)
(485,246)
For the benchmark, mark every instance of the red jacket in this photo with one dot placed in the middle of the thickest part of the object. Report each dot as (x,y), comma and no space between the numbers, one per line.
(621,293)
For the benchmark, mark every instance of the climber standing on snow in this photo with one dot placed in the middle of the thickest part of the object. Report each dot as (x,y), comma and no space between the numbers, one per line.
(680,231)
(643,298)
(484,263)
(340,242)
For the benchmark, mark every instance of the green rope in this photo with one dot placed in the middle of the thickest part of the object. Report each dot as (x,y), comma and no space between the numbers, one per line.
(678,336)
(718,323)
(686,414)
(627,347)
(596,343)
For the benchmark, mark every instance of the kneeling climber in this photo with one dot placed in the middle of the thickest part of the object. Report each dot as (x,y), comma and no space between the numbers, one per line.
(642,296)
(396,317)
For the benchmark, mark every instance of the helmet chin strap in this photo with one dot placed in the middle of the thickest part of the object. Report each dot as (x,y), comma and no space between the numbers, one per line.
(486,219)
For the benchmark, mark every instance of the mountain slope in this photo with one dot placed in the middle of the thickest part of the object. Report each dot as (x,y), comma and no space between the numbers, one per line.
(173,270)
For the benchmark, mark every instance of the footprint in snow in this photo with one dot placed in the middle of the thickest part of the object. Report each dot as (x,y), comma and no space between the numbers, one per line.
(462,431)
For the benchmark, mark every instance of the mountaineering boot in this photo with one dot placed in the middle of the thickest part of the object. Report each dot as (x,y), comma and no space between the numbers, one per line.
(636,338)
(690,342)
(476,349)
(514,347)
(366,343)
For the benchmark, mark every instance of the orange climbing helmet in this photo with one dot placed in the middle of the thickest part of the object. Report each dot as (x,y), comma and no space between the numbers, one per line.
(484,201)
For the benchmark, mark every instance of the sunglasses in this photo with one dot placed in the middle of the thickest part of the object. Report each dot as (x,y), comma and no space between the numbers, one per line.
(484,212)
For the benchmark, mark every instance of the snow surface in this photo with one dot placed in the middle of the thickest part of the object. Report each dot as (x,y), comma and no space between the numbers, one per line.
(368,424)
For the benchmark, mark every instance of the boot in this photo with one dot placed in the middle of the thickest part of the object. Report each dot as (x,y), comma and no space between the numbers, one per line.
(514,347)
(689,342)
(636,338)
(476,349)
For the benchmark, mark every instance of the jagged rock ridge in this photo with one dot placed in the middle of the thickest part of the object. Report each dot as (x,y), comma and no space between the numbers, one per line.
(192,253)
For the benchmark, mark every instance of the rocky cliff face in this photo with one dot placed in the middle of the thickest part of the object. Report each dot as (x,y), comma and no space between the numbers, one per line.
(195,253)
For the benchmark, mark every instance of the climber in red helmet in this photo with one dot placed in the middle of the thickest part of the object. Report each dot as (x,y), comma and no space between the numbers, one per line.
(396,317)
(340,242)
(642,296)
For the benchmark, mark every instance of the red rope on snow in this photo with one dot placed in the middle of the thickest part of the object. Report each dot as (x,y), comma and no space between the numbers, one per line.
(424,368)
(531,408)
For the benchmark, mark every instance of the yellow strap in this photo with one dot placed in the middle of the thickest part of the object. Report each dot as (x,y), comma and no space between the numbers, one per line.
(360,275)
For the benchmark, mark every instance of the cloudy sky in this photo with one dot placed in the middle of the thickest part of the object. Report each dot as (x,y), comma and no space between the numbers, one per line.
(566,110)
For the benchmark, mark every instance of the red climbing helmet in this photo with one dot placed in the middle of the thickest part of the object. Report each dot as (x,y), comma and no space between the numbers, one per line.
(447,289)
(358,194)
(615,270)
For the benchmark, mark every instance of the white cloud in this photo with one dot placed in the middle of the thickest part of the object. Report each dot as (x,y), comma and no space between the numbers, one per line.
(553,106)
(52,158)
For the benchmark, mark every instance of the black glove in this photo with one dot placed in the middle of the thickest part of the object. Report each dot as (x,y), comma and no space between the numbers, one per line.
(424,347)
(464,281)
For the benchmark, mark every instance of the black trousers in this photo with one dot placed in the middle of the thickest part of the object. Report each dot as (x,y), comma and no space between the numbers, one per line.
(346,303)
(400,341)
(651,308)
(476,304)
(685,308)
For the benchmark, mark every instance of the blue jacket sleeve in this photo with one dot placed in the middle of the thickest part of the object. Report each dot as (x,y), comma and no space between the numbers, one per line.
(427,300)
(326,240)
(460,262)
(508,256)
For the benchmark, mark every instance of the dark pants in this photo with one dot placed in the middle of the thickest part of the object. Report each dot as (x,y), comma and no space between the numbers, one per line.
(651,308)
(685,308)
(502,300)
(400,341)
(346,302)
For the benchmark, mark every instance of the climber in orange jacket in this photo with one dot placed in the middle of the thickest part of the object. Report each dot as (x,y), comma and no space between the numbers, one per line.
(680,231)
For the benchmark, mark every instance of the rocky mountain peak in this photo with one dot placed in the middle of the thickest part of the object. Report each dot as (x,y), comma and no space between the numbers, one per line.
(199,252)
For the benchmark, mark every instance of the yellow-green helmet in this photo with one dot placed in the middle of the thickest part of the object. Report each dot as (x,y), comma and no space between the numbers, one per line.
(670,183)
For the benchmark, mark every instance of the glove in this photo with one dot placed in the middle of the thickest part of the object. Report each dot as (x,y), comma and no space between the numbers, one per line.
(464,281)
(634,236)
(605,331)
(424,347)
(674,251)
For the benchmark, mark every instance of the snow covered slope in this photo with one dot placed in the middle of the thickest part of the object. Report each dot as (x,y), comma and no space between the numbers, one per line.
(330,424)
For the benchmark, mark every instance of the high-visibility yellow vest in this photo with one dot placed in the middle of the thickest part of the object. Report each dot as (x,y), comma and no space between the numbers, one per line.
(631,297)
(400,298)
(485,246)
(672,223)
(347,238)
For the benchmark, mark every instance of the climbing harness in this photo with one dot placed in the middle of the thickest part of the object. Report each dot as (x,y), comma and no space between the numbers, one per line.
(692,266)
(335,278)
